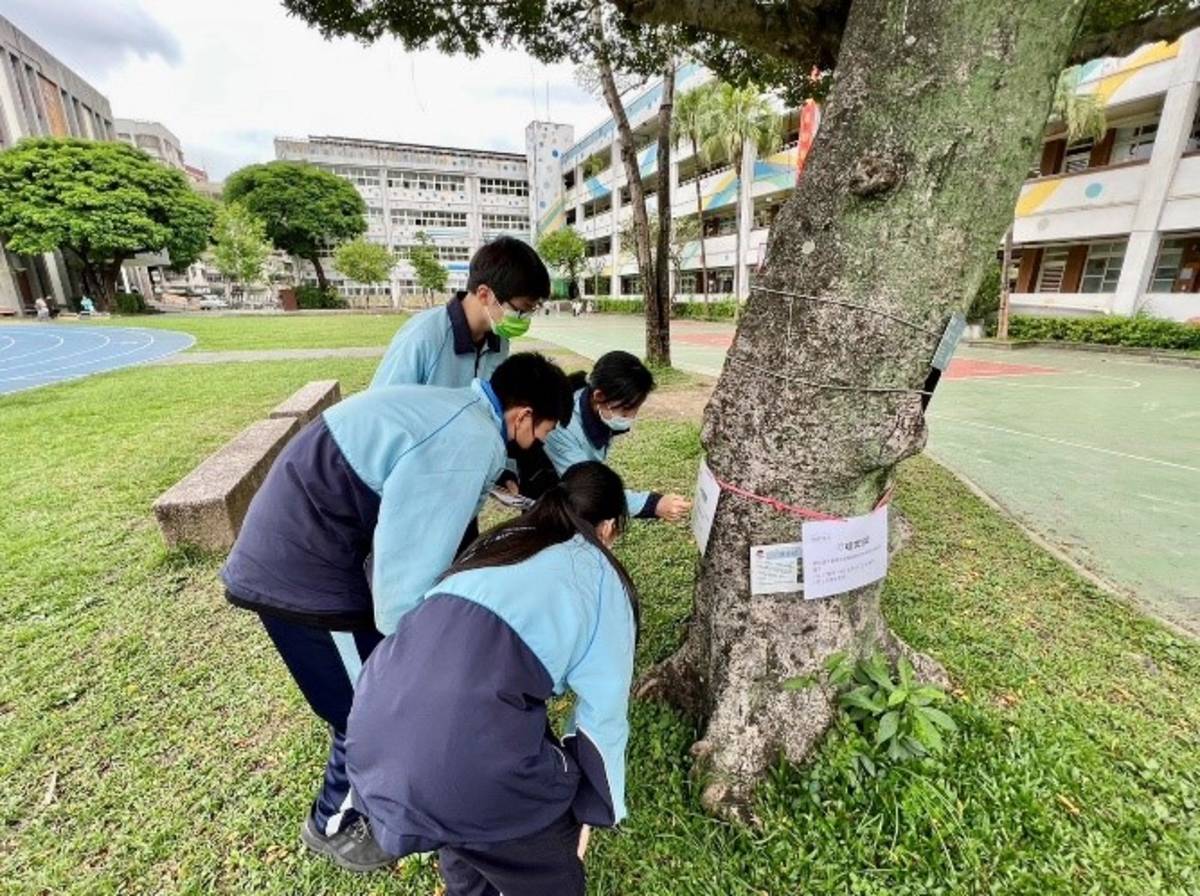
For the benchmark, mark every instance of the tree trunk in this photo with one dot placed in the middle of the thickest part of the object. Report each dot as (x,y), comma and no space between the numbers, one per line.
(1005,264)
(108,276)
(899,219)
(658,316)
(700,222)
(739,268)
(322,283)
(637,197)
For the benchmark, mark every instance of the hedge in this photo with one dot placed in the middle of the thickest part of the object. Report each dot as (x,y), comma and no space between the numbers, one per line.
(1140,332)
(694,310)
(309,296)
(130,303)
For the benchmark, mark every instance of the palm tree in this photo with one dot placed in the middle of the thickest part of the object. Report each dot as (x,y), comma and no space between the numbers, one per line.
(741,119)
(693,113)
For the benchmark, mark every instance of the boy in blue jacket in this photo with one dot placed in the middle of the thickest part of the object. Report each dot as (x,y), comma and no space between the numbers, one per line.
(398,472)
(469,336)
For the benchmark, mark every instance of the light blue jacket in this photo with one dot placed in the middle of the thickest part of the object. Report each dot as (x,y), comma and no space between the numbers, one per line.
(435,348)
(448,738)
(431,455)
(585,438)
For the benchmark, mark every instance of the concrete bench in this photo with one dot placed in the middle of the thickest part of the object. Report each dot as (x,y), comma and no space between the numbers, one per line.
(309,401)
(205,509)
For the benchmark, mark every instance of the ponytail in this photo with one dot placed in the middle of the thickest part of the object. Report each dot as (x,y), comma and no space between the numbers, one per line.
(588,494)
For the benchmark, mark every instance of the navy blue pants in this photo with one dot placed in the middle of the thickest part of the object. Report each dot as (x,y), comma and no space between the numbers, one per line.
(542,864)
(325,664)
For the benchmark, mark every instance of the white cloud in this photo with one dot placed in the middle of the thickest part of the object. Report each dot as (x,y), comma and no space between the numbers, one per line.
(234,73)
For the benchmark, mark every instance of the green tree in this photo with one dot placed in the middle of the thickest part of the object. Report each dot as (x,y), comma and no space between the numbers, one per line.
(100,204)
(924,145)
(740,120)
(691,123)
(364,261)
(240,245)
(431,274)
(564,250)
(306,210)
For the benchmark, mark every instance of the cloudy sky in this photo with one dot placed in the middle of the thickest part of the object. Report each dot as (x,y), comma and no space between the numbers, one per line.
(226,76)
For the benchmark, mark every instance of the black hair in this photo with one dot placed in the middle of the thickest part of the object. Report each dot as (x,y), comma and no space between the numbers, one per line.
(511,269)
(532,380)
(622,378)
(588,494)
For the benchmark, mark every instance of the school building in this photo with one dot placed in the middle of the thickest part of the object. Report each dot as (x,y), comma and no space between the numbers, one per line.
(39,96)
(460,198)
(1112,226)
(591,193)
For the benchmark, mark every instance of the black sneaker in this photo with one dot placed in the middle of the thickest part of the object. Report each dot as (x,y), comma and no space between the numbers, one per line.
(352,848)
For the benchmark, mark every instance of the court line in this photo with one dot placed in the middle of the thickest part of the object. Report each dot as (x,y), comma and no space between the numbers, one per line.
(1067,442)
(107,358)
(11,343)
(87,351)
(1134,384)
(40,350)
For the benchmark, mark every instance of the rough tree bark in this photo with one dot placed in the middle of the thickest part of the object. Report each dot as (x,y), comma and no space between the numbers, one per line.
(322,282)
(658,317)
(934,113)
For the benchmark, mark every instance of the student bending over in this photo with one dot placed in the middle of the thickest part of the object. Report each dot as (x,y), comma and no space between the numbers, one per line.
(449,746)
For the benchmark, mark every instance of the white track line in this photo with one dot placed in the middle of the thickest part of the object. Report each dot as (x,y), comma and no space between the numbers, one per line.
(11,343)
(53,370)
(1070,444)
(86,351)
(39,350)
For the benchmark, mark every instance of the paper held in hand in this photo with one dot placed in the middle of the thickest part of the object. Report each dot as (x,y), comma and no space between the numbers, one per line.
(508,499)
(704,508)
(841,555)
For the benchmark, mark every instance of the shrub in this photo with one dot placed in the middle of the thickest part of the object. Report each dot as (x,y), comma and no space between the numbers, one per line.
(694,310)
(985,307)
(309,296)
(130,303)
(1141,331)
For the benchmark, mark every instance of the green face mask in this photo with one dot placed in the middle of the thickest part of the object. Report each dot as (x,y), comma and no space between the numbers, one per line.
(512,325)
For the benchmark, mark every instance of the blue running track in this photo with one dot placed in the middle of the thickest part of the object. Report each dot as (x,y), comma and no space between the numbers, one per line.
(33,355)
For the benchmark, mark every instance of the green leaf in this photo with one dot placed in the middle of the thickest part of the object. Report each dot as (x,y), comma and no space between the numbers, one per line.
(925,695)
(906,673)
(927,733)
(938,718)
(877,671)
(799,683)
(887,727)
(897,697)
(862,697)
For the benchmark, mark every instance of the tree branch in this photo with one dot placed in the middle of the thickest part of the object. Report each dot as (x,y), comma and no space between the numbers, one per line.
(798,31)
(1127,38)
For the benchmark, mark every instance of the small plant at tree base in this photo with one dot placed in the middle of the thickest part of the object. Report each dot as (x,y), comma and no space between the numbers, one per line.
(895,718)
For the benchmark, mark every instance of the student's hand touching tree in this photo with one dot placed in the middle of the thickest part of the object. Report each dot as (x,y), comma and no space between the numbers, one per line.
(672,508)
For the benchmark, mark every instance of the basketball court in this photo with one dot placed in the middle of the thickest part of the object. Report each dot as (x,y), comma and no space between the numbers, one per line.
(33,355)
(1098,453)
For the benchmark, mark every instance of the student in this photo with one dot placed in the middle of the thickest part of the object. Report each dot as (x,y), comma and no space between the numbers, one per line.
(606,405)
(469,336)
(449,744)
(400,471)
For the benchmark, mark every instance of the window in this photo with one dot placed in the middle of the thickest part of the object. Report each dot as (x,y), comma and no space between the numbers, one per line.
(1135,142)
(720,225)
(1103,267)
(597,207)
(569,180)
(375,214)
(443,253)
(1077,156)
(1054,266)
(570,217)
(498,186)
(505,222)
(1166,268)
(360,177)
(413,217)
(426,180)
(596,248)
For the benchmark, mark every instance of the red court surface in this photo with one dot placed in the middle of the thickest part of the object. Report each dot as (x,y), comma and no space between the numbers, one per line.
(964,369)
(711,340)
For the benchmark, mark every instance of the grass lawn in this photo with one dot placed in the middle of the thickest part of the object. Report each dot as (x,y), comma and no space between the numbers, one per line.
(250,331)
(150,740)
